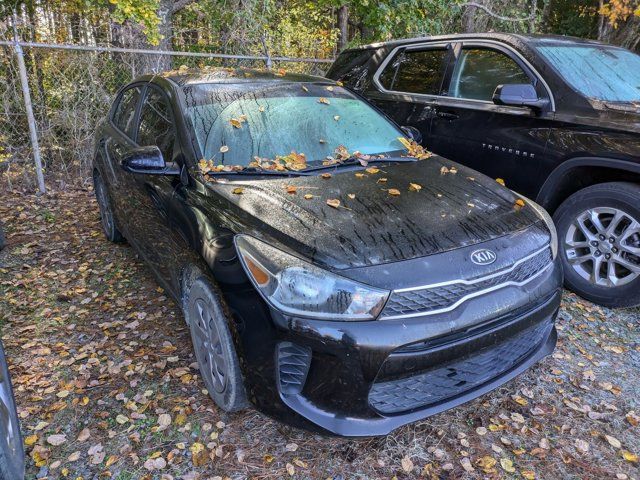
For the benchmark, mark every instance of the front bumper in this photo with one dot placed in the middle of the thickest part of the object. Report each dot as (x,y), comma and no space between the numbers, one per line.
(368,378)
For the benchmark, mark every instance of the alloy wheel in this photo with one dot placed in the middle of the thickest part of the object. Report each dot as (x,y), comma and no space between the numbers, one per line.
(208,346)
(9,428)
(603,246)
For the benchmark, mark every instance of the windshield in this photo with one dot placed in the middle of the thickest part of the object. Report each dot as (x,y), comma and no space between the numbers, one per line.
(602,73)
(235,123)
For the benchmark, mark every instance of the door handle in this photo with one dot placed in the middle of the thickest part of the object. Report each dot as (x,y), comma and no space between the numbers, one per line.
(448,115)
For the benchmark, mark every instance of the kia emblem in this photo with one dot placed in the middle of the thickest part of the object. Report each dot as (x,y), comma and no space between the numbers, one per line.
(483,257)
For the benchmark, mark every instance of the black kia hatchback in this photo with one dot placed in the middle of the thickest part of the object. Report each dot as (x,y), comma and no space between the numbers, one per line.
(557,118)
(331,271)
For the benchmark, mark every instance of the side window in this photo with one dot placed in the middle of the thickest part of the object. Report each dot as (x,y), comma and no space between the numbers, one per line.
(479,71)
(417,71)
(156,125)
(126,110)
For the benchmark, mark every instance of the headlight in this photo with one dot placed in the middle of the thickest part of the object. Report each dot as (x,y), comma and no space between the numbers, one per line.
(548,220)
(296,287)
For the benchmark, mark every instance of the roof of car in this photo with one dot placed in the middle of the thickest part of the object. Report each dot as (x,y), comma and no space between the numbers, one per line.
(191,76)
(510,38)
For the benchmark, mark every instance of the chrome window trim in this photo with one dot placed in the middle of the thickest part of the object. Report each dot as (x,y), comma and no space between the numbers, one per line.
(471,282)
(464,43)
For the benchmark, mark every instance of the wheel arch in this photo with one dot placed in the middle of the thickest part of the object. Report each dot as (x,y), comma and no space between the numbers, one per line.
(580,172)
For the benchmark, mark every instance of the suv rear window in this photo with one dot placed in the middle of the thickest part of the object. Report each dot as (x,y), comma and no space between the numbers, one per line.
(126,110)
(416,71)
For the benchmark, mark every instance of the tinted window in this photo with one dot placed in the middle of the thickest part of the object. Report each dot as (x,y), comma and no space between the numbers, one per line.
(415,72)
(266,121)
(479,71)
(126,110)
(604,73)
(156,126)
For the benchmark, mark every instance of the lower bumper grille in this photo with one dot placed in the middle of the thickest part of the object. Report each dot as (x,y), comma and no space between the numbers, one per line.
(293,366)
(455,378)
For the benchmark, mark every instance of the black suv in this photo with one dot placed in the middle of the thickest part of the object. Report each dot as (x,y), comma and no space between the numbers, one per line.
(557,118)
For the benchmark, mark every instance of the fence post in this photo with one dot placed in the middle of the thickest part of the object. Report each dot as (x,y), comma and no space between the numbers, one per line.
(26,93)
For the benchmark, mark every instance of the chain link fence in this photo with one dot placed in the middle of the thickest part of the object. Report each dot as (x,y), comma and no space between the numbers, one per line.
(71,87)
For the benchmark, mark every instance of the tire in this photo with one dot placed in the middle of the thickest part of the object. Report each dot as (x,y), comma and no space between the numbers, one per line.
(107,215)
(213,345)
(600,226)
(11,451)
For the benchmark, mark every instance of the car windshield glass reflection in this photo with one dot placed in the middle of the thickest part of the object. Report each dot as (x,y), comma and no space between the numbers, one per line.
(603,73)
(234,124)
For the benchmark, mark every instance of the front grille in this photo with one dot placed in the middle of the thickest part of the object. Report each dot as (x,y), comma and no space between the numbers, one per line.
(293,365)
(457,377)
(443,297)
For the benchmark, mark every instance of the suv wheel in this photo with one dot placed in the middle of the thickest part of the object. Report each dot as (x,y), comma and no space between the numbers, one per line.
(213,346)
(11,452)
(106,210)
(599,236)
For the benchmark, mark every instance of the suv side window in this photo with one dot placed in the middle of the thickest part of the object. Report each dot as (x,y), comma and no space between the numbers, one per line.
(479,71)
(156,124)
(126,110)
(416,71)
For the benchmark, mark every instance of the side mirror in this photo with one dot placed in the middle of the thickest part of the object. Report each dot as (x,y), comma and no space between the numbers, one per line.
(412,133)
(519,95)
(148,160)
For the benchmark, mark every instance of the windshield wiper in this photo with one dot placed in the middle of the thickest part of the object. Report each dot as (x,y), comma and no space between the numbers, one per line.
(354,161)
(257,172)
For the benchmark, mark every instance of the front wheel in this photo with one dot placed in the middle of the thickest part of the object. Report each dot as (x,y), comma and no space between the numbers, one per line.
(599,237)
(213,346)
(107,215)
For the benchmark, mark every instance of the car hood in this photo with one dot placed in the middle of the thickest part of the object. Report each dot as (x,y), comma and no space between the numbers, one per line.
(371,226)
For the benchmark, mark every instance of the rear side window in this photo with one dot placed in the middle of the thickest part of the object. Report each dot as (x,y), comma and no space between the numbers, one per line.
(126,110)
(417,71)
(156,125)
(479,71)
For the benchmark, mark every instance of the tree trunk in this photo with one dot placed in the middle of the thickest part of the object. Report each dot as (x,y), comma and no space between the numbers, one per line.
(469,19)
(546,15)
(343,27)
(532,18)
(165,29)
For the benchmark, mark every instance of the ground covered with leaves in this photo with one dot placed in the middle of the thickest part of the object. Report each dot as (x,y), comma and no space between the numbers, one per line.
(107,386)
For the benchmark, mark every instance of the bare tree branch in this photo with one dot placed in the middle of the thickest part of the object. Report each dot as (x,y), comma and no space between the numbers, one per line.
(495,15)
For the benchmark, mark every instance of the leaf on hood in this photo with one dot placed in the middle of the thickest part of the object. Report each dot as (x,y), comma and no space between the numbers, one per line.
(500,181)
(414,187)
(326,175)
(333,202)
(236,123)
(518,204)
(394,192)
(382,180)
(291,189)
(305,88)
(238,190)
(308,196)
(414,149)
(372,170)
(324,100)
(359,175)
(329,88)
(351,195)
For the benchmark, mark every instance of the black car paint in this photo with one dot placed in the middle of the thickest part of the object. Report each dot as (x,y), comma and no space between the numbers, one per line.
(176,222)
(547,154)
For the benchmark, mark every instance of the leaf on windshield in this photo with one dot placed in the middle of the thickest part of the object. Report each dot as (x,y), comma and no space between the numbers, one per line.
(333,202)
(236,123)
(293,161)
(393,191)
(339,83)
(336,117)
(330,88)
(326,175)
(305,88)
(322,140)
(415,149)
(415,187)
(238,190)
(324,100)
(224,149)
(261,108)
(242,118)
(341,153)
